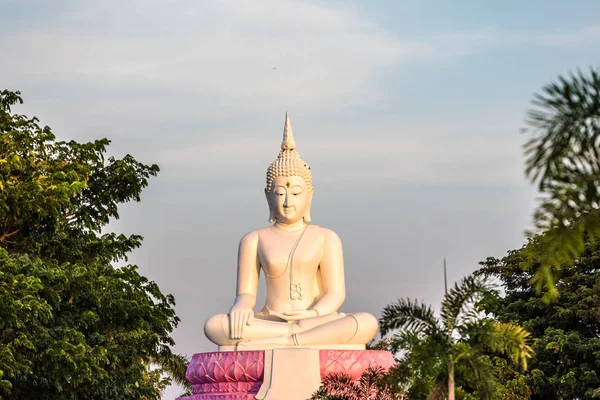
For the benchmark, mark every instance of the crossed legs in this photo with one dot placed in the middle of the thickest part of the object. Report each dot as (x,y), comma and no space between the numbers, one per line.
(359,328)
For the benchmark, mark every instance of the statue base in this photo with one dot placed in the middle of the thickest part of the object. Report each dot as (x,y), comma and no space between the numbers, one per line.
(275,374)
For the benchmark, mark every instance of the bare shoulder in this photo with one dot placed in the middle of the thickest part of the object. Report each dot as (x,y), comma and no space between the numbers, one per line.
(251,237)
(328,235)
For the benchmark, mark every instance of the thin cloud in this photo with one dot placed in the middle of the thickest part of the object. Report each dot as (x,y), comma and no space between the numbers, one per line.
(583,36)
(294,52)
(444,151)
(212,58)
(457,44)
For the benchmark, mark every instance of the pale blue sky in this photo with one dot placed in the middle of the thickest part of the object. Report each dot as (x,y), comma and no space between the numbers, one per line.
(408,113)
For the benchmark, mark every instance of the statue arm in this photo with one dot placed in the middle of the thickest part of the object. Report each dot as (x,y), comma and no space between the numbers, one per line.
(332,273)
(242,313)
(248,270)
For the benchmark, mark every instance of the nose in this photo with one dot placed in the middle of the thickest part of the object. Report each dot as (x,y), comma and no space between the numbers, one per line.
(286,201)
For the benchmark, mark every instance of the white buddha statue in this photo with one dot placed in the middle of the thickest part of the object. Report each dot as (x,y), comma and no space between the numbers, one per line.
(303,265)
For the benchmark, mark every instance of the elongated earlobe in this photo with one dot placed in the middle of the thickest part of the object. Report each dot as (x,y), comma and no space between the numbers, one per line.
(272,216)
(307,217)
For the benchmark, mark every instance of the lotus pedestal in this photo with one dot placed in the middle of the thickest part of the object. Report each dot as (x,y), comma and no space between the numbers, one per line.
(275,374)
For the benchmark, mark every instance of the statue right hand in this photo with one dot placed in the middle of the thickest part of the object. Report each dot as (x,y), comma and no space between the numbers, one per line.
(239,317)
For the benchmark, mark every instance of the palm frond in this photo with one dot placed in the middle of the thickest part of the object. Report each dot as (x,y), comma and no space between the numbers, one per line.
(563,156)
(337,387)
(470,314)
(564,124)
(512,340)
(409,315)
(403,339)
(476,370)
(464,294)
(479,365)
(371,386)
(500,338)
(174,365)
(476,331)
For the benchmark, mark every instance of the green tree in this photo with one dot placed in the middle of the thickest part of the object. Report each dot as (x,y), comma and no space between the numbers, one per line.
(72,326)
(565,332)
(563,158)
(513,382)
(452,351)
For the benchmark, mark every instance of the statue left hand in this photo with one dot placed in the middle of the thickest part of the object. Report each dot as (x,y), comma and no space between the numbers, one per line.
(296,315)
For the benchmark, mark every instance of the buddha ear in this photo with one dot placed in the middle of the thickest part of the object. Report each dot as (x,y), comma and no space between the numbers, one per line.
(272,216)
(307,217)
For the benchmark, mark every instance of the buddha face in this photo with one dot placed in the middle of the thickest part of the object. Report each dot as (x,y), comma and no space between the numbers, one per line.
(289,200)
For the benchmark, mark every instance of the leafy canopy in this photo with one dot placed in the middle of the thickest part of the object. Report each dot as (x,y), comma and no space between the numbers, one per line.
(71,324)
(565,332)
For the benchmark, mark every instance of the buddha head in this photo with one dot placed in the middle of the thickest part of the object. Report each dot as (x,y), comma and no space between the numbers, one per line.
(289,188)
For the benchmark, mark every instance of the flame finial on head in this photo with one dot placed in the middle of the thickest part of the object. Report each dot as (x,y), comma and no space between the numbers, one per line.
(288,162)
(288,142)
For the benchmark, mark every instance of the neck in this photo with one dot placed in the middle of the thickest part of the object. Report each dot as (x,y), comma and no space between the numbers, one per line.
(296,226)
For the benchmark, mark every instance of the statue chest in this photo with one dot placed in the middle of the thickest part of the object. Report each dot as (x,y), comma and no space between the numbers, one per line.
(283,258)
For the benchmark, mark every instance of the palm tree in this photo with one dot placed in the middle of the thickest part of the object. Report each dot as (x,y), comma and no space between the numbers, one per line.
(460,340)
(342,387)
(166,367)
(563,158)
(174,366)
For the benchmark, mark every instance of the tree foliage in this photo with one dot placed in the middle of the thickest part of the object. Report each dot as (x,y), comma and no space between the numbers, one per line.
(72,325)
(452,351)
(563,158)
(566,332)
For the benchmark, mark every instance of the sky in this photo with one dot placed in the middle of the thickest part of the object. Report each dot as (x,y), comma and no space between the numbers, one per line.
(409,114)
